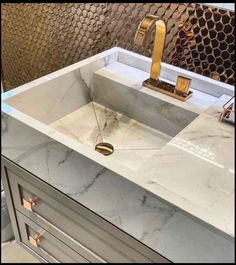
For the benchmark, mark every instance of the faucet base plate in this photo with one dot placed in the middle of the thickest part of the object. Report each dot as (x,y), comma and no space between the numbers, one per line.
(165,88)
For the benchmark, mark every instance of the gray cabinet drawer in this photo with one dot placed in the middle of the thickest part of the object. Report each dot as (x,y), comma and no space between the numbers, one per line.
(87,233)
(45,244)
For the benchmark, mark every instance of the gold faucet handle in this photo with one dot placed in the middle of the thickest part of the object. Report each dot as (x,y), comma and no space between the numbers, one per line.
(182,85)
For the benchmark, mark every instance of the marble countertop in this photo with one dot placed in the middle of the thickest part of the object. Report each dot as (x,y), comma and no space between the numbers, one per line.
(194,170)
(198,167)
(185,192)
(159,225)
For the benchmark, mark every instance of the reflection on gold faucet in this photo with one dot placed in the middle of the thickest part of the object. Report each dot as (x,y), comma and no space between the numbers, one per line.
(154,81)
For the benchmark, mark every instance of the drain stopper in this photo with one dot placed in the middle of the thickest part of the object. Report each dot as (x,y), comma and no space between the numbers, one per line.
(104,148)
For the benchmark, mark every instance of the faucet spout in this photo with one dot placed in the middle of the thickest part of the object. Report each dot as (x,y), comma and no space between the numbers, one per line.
(141,37)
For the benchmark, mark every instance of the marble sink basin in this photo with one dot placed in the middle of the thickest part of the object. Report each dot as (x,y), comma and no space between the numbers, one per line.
(137,124)
(101,99)
(136,131)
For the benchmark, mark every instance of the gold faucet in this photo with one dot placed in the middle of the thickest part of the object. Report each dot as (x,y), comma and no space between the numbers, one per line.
(154,82)
(159,41)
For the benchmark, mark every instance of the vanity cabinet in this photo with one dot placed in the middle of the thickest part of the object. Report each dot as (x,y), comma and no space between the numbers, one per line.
(55,228)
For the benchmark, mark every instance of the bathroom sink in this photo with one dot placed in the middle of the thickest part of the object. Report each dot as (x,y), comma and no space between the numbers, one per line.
(166,146)
(135,123)
(101,99)
(134,138)
(137,126)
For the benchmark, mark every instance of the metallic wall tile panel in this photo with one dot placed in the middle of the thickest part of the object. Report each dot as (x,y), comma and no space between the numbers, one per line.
(38,39)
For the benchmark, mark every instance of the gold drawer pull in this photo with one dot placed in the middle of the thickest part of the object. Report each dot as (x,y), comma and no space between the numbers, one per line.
(35,240)
(28,204)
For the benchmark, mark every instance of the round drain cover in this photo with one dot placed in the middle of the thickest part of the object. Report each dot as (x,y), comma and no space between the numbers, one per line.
(104,148)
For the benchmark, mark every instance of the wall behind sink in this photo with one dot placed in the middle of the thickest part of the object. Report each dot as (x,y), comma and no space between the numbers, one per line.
(38,39)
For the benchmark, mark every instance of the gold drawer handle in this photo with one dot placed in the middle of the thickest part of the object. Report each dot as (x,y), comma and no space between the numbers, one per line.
(35,240)
(28,204)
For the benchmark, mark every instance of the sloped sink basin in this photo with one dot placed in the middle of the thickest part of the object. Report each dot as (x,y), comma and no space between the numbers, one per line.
(133,141)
